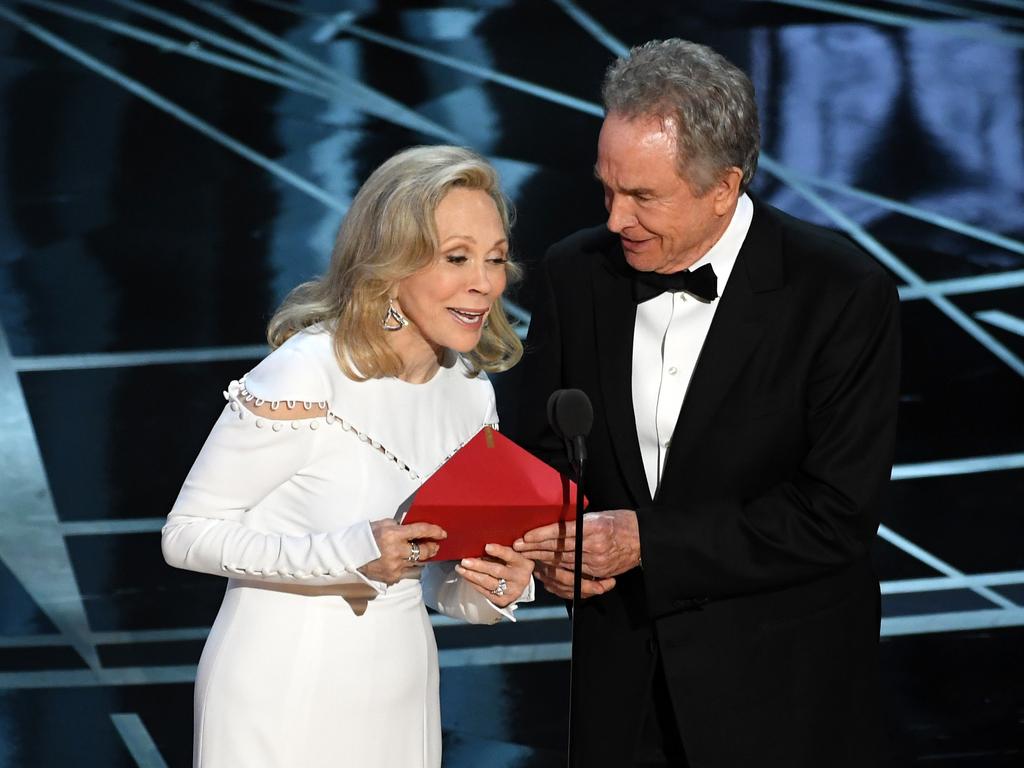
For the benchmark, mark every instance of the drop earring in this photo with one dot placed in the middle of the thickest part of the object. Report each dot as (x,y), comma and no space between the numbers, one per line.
(393,320)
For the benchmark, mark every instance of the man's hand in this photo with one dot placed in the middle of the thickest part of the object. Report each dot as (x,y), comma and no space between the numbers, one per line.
(611,545)
(558,581)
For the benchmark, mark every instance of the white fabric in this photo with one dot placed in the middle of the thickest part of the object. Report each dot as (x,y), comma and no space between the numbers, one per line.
(667,338)
(300,668)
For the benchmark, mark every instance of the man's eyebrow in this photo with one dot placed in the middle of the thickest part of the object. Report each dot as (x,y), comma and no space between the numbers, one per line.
(635,192)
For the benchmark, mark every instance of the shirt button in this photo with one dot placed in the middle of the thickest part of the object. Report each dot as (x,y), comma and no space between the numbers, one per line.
(673,371)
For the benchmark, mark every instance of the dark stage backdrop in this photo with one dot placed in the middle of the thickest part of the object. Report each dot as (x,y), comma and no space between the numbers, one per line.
(169,169)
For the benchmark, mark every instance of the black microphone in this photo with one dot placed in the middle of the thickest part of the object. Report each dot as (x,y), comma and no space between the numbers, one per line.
(571,416)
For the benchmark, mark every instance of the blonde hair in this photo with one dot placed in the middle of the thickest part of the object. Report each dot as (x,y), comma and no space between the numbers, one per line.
(388,234)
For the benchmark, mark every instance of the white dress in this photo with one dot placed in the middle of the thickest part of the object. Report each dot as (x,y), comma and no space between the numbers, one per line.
(300,669)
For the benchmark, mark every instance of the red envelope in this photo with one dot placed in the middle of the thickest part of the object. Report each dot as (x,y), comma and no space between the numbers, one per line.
(491,491)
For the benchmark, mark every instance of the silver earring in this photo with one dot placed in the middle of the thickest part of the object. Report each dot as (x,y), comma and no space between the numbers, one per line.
(393,320)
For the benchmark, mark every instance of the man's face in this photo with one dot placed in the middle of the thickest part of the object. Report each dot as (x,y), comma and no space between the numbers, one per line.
(662,225)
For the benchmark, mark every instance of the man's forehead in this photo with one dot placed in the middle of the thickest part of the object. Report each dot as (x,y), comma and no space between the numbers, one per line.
(636,166)
(653,129)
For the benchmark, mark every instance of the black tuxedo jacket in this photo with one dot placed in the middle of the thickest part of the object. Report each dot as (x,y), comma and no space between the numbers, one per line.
(756,587)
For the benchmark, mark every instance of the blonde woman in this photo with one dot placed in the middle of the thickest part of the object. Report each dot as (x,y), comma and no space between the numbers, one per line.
(322,653)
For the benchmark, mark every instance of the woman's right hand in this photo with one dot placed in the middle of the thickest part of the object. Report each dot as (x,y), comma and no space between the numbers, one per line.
(395,544)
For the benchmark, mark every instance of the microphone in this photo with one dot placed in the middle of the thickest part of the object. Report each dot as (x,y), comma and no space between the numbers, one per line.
(571,416)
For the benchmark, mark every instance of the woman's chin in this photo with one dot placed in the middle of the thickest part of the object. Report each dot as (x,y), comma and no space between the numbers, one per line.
(464,343)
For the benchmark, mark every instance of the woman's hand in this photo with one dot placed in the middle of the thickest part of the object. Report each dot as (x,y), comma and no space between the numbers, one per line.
(395,544)
(484,573)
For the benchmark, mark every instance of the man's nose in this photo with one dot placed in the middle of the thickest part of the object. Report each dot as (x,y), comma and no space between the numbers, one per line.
(620,213)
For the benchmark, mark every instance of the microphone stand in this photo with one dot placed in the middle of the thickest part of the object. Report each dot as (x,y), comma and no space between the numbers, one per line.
(579,461)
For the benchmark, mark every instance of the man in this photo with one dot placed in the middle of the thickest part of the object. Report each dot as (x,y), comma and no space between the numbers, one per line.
(744,428)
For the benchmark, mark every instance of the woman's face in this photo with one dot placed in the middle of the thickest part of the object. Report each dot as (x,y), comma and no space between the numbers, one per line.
(448,301)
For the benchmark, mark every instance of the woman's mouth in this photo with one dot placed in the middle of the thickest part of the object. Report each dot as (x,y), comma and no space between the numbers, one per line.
(471,318)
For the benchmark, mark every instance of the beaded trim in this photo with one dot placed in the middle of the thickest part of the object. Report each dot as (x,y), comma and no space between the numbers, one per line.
(237,392)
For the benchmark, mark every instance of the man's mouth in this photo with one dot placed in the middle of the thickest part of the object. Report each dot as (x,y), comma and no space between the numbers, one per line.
(469,317)
(632,245)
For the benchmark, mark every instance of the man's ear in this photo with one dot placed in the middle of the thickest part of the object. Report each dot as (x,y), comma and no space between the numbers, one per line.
(726,190)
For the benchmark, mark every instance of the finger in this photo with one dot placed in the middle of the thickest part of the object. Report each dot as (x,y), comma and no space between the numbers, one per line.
(549,532)
(479,565)
(503,553)
(423,531)
(551,558)
(521,568)
(555,588)
(591,587)
(557,575)
(563,578)
(545,545)
(484,580)
(428,549)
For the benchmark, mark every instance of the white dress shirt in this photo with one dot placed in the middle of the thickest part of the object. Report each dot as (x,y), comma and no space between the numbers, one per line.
(667,339)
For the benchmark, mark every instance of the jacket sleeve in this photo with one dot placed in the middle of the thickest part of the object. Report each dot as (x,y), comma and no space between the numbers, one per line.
(243,460)
(822,515)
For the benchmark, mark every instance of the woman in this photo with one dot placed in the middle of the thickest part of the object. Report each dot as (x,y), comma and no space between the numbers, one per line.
(322,653)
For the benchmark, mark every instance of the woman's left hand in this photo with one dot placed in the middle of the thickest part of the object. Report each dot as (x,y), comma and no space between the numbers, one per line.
(485,573)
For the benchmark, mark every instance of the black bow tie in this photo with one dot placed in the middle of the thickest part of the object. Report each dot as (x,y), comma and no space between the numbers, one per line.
(701,283)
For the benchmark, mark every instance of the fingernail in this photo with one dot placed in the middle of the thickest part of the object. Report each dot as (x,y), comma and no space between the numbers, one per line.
(466,563)
(459,569)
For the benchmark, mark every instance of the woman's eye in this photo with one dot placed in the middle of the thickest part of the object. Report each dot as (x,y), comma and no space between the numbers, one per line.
(456,258)
(498,260)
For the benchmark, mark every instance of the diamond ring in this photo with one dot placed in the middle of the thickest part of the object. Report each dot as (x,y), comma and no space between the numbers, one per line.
(501,589)
(414,551)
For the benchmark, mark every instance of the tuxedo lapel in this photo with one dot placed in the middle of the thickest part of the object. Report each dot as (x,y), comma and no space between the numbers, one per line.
(615,317)
(750,295)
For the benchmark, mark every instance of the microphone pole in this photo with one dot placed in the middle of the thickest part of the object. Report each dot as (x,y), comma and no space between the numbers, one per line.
(577,588)
(571,417)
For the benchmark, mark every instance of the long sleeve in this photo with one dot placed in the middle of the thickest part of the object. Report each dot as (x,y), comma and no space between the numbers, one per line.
(244,460)
(448,593)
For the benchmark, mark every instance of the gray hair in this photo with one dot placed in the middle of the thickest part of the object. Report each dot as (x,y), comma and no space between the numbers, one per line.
(710,100)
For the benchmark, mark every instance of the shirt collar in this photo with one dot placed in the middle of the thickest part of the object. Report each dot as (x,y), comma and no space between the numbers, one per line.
(722,255)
